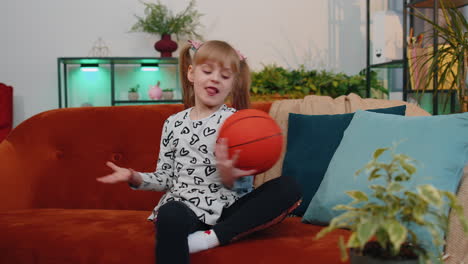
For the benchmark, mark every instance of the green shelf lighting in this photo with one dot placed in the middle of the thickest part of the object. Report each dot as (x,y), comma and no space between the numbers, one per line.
(89,67)
(152,67)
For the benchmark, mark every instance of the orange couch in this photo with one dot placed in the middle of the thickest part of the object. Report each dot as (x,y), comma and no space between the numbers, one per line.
(52,209)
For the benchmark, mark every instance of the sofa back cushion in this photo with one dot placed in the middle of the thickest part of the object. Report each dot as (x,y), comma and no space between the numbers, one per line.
(307,158)
(324,105)
(63,151)
(57,156)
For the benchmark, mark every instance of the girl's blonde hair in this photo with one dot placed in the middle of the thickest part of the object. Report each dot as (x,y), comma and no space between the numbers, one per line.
(224,54)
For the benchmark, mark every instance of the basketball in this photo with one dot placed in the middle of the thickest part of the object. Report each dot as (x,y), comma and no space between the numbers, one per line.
(256,135)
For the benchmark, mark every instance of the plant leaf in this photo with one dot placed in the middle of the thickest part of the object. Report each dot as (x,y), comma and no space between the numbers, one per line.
(378,189)
(395,187)
(358,195)
(396,232)
(344,207)
(379,152)
(430,194)
(418,211)
(344,220)
(374,174)
(402,177)
(366,230)
(343,251)
(409,168)
(353,241)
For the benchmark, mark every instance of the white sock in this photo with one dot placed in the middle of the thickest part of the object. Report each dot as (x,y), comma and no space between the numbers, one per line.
(202,240)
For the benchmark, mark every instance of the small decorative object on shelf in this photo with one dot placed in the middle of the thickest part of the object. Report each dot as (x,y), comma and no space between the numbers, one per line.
(133,93)
(383,221)
(155,92)
(386,30)
(99,49)
(161,21)
(167,94)
(86,104)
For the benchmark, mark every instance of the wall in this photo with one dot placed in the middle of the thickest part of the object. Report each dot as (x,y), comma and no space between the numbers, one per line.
(326,34)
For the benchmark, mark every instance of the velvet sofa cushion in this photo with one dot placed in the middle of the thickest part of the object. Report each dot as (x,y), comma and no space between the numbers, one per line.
(70,236)
(438,143)
(312,141)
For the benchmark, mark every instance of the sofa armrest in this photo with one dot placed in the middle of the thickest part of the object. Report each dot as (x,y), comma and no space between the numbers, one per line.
(15,188)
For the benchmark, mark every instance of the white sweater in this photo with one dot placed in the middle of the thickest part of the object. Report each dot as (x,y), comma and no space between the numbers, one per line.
(187,166)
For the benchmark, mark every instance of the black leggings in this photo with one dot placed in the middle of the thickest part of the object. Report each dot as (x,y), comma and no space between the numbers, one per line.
(259,209)
(174,223)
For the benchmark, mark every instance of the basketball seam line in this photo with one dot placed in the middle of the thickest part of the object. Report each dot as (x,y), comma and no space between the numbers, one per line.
(264,117)
(278,134)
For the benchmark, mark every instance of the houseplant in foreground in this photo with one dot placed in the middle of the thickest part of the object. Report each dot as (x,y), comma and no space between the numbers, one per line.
(159,20)
(382,223)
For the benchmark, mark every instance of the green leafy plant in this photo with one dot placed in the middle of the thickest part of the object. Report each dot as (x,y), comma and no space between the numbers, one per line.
(383,217)
(160,20)
(134,89)
(297,83)
(450,61)
(167,90)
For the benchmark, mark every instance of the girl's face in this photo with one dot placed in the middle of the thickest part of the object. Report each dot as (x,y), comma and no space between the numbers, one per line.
(212,83)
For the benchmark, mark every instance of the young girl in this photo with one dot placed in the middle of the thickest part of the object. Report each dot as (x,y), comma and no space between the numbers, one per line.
(203,207)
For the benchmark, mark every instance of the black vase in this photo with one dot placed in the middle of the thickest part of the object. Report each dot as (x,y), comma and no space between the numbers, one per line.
(166,46)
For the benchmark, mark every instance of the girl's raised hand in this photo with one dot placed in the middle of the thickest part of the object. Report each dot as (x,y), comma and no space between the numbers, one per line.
(229,173)
(119,174)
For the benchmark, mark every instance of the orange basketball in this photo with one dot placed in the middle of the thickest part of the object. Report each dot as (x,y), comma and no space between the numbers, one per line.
(256,135)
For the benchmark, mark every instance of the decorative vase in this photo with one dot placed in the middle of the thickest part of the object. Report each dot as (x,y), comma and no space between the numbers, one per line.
(166,45)
(167,95)
(155,92)
(133,96)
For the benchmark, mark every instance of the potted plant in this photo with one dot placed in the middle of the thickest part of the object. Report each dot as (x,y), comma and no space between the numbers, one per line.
(450,61)
(133,93)
(167,94)
(275,82)
(379,222)
(159,20)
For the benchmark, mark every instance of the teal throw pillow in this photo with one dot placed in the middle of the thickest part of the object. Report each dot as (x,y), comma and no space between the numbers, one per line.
(312,141)
(438,143)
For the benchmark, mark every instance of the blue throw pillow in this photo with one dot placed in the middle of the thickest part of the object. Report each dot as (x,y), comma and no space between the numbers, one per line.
(312,141)
(438,143)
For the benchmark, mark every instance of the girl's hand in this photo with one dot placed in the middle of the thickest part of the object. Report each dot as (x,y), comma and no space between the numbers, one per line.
(120,175)
(229,173)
